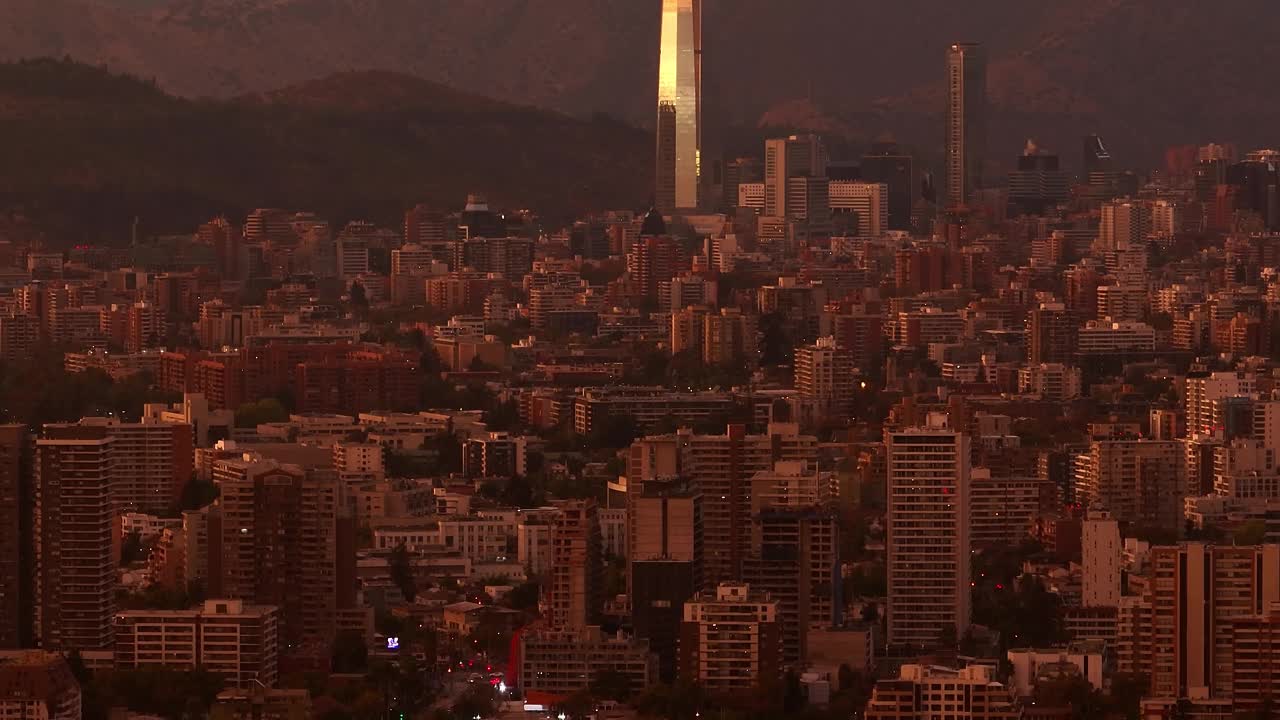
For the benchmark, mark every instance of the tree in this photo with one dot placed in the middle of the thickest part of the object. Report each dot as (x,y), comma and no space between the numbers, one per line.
(350,653)
(1253,532)
(266,410)
(401,570)
(1125,696)
(611,685)
(476,701)
(615,431)
(523,597)
(577,706)
(131,549)
(359,298)
(197,493)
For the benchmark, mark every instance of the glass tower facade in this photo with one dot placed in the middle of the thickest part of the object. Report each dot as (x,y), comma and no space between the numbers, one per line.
(679,124)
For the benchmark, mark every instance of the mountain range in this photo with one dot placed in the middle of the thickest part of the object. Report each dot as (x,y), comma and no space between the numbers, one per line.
(87,151)
(1145,73)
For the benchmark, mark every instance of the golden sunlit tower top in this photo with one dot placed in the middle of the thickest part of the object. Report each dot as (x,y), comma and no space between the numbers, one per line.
(679,127)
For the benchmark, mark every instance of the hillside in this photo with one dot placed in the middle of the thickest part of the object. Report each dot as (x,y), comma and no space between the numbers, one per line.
(87,151)
(1148,73)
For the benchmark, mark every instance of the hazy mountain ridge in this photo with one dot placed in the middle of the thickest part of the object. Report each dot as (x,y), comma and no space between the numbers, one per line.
(1148,72)
(88,151)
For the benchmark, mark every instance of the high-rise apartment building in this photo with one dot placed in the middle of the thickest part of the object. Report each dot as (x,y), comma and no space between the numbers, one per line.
(1203,390)
(679,136)
(15,537)
(928,534)
(664,562)
(653,260)
(824,373)
(1180,632)
(225,637)
(73,530)
(1037,184)
(39,685)
(730,640)
(720,467)
(1124,223)
(922,692)
(575,592)
(1101,554)
(1138,481)
(966,121)
(152,460)
(280,535)
(795,560)
(1051,334)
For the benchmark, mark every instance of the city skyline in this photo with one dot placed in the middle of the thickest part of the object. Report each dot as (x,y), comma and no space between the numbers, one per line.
(373,399)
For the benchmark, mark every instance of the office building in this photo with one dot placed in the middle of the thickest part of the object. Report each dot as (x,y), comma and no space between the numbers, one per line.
(966,121)
(574,595)
(922,692)
(886,164)
(928,534)
(1037,185)
(798,157)
(74,527)
(865,202)
(679,136)
(39,685)
(566,661)
(226,637)
(730,640)
(16,498)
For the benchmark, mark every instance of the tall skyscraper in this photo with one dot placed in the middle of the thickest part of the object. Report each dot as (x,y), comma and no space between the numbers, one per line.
(277,538)
(802,158)
(15,537)
(679,136)
(74,519)
(1101,548)
(966,120)
(885,163)
(928,538)
(574,595)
